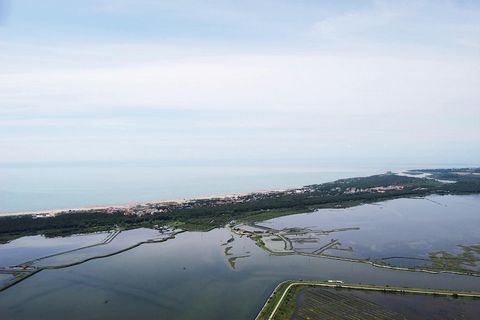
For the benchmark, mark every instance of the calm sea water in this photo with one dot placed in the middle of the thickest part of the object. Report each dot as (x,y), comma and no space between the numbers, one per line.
(190,277)
(41,187)
(31,189)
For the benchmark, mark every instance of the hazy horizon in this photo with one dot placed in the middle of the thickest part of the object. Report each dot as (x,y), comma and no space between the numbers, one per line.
(222,81)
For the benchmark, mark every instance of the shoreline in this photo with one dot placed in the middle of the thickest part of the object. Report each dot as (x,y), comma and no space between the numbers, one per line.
(127,205)
(54,211)
(133,204)
(207,212)
(130,204)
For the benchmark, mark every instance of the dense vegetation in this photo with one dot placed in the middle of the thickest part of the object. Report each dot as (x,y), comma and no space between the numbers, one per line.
(467,180)
(67,223)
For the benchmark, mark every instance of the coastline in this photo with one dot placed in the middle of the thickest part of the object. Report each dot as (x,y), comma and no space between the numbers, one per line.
(134,203)
(207,212)
(131,204)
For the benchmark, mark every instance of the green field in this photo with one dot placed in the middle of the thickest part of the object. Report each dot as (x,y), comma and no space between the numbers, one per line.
(329,305)
(302,300)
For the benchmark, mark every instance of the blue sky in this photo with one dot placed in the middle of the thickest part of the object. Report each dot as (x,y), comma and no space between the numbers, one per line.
(187,80)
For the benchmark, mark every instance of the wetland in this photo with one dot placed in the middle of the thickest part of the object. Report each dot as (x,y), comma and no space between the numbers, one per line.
(204,274)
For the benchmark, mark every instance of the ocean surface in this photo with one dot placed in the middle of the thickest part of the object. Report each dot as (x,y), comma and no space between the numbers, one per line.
(34,187)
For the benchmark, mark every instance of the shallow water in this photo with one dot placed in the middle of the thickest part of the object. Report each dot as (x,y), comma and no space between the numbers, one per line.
(5,278)
(190,276)
(394,228)
(29,248)
(123,240)
(187,278)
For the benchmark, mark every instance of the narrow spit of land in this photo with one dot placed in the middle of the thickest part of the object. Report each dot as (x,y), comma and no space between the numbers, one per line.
(205,214)
(284,291)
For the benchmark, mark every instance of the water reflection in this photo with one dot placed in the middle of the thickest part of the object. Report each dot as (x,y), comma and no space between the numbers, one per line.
(403,232)
(191,277)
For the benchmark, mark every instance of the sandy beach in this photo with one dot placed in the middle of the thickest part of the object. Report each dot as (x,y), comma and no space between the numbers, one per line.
(55,211)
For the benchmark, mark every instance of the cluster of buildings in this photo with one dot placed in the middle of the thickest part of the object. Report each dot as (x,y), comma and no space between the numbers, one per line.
(154,208)
(373,190)
(165,207)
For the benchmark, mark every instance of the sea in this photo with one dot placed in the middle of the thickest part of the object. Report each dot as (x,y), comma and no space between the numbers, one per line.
(35,186)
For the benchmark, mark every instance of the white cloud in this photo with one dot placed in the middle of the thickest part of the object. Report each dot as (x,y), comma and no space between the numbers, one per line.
(400,78)
(410,25)
(314,82)
(352,24)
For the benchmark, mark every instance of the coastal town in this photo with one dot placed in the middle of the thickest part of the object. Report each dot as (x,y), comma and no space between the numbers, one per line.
(152,208)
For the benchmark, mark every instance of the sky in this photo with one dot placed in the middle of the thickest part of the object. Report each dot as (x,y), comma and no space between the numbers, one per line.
(243,81)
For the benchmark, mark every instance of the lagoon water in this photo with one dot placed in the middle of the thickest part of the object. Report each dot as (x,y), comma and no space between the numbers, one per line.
(190,277)
(408,227)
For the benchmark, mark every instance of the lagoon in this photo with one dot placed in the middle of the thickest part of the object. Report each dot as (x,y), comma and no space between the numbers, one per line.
(190,276)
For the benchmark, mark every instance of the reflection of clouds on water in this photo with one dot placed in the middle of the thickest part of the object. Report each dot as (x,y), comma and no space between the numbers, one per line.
(5,278)
(411,228)
(33,247)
